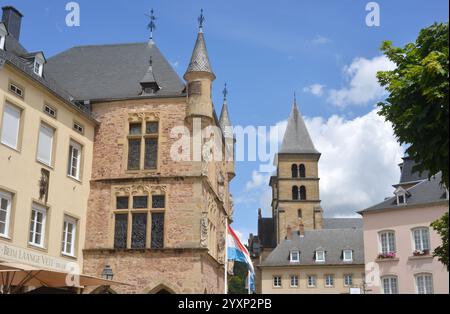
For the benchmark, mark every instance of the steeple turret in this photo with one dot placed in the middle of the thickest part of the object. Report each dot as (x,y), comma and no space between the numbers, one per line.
(227,131)
(199,77)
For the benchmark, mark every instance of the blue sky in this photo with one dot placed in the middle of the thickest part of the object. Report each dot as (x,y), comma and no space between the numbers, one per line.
(266,50)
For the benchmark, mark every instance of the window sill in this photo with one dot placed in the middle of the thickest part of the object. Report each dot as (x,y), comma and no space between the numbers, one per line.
(69,256)
(386,260)
(5,237)
(45,165)
(16,150)
(37,247)
(414,258)
(75,179)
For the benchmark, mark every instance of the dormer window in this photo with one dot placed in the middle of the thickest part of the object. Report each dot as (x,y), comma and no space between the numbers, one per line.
(38,67)
(348,256)
(320,256)
(295,256)
(401,195)
(3,34)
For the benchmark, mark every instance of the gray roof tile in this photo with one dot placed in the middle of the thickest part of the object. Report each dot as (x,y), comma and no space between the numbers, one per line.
(296,139)
(342,223)
(332,241)
(112,71)
(425,192)
(200,60)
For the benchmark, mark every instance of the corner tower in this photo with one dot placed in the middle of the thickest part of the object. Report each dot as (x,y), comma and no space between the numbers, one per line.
(199,77)
(296,197)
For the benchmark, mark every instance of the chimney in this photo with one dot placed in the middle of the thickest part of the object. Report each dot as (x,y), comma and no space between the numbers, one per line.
(289,233)
(301,230)
(259,213)
(13,20)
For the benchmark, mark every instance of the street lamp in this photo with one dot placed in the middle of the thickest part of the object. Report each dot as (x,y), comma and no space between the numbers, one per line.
(108,273)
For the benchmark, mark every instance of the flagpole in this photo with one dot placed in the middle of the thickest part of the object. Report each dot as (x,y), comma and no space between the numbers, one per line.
(226,256)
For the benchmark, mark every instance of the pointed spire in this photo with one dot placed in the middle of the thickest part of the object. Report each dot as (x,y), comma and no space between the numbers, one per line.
(297,139)
(224,120)
(200,60)
(148,82)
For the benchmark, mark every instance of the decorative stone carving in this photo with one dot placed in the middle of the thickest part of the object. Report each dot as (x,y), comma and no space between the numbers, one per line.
(221,247)
(143,116)
(43,185)
(204,230)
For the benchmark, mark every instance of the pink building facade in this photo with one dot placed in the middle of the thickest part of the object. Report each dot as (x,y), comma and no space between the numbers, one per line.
(399,241)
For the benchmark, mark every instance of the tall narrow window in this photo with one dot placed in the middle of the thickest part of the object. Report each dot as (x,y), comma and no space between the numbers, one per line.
(69,236)
(74,160)
(294,281)
(294,170)
(157,231)
(139,231)
(151,145)
(11,126)
(329,281)
(302,193)
(299,214)
(37,225)
(45,145)
(302,171)
(424,284)
(120,231)
(277,281)
(312,280)
(348,280)
(390,285)
(387,242)
(421,239)
(5,213)
(295,193)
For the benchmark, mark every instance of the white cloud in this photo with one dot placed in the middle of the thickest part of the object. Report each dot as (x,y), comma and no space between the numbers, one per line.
(321,40)
(315,89)
(357,168)
(363,86)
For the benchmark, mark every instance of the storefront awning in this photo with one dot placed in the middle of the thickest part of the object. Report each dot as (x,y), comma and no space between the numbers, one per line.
(20,275)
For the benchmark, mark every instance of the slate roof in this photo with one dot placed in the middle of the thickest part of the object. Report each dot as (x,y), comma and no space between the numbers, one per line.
(16,55)
(296,139)
(342,223)
(425,192)
(106,72)
(200,60)
(332,241)
(408,175)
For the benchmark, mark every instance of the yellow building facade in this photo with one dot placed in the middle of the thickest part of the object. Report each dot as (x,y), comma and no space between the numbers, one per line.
(46,147)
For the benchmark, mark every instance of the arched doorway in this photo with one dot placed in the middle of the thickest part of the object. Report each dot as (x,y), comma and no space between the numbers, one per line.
(161,289)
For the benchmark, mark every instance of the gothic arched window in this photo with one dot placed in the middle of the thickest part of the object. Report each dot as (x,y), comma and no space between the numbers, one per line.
(294,170)
(302,193)
(302,171)
(295,192)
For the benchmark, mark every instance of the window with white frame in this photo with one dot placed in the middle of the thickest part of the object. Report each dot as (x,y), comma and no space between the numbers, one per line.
(277,281)
(37,225)
(49,110)
(320,256)
(295,256)
(11,126)
(38,67)
(2,42)
(329,280)
(45,144)
(5,213)
(3,34)
(348,280)
(74,164)
(17,90)
(421,239)
(387,242)
(424,284)
(312,281)
(401,199)
(294,281)
(69,236)
(348,255)
(390,285)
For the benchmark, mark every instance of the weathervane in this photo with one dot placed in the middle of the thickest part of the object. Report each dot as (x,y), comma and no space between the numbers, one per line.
(201,19)
(225,93)
(151,26)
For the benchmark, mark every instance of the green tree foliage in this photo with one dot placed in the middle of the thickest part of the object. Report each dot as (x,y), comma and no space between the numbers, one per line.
(236,283)
(418,104)
(441,226)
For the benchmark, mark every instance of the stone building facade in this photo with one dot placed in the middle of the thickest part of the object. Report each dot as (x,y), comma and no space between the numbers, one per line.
(157,209)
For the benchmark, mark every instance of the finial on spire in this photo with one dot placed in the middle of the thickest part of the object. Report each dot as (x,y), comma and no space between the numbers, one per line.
(201,20)
(225,93)
(295,98)
(151,25)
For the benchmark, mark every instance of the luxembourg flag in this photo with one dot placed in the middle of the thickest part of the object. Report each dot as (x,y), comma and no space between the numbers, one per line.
(236,251)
